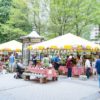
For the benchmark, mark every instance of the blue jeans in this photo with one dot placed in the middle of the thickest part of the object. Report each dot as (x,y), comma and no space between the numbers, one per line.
(69,72)
(99,79)
(88,73)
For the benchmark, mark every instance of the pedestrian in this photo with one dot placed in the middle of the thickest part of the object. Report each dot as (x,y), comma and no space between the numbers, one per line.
(97,66)
(69,66)
(57,60)
(34,60)
(88,67)
(11,62)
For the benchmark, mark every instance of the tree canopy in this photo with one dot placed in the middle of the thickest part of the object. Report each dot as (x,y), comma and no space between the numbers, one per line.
(50,18)
(16,22)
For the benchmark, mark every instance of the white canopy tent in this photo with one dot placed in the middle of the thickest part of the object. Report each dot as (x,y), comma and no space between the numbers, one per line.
(65,40)
(11,45)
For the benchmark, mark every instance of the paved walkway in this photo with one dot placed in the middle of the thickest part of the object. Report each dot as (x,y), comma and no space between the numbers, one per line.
(63,89)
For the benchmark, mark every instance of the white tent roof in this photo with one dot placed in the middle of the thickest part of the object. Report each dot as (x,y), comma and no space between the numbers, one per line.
(67,39)
(33,34)
(13,45)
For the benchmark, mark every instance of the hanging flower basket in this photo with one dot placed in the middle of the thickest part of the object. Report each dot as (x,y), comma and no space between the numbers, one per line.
(40,47)
(54,47)
(69,47)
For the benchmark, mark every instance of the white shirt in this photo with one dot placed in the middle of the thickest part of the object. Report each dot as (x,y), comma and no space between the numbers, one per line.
(87,63)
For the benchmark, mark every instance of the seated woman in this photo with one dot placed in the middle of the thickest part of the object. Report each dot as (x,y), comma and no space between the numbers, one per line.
(46,61)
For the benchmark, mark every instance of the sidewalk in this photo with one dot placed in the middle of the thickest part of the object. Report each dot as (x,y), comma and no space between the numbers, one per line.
(63,89)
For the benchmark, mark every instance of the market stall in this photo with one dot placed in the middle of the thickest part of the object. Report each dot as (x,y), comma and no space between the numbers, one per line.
(67,41)
(7,48)
(11,46)
(65,45)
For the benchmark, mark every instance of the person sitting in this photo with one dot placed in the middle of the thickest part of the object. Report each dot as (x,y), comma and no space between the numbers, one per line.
(46,61)
(19,69)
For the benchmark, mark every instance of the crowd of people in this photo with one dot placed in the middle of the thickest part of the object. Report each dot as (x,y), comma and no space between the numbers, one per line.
(86,61)
(46,61)
(57,60)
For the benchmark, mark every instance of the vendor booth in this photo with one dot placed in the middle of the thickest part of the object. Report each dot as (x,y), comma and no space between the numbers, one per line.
(65,45)
(6,49)
(67,41)
(11,46)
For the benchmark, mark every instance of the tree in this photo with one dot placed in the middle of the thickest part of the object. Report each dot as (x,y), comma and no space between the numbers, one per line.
(70,15)
(38,17)
(17,24)
(8,33)
(19,16)
(5,6)
(96,14)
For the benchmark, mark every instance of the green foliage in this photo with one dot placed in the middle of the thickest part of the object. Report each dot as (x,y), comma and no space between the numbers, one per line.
(71,15)
(19,16)
(17,23)
(50,18)
(35,16)
(7,33)
(4,10)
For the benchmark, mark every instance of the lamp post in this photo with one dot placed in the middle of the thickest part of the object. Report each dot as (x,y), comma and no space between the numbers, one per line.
(28,40)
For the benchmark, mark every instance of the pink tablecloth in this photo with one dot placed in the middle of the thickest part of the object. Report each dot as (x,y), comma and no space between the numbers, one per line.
(1,68)
(75,70)
(51,72)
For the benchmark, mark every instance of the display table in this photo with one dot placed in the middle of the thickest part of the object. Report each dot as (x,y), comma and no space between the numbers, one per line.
(47,72)
(63,70)
(41,73)
(75,70)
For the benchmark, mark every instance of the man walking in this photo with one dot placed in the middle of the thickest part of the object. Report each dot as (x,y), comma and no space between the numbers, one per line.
(97,66)
(11,62)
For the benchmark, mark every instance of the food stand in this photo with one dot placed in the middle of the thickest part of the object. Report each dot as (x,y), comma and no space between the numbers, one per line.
(67,44)
(40,73)
(7,48)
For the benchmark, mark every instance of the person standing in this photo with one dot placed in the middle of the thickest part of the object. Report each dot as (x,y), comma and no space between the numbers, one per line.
(34,60)
(57,62)
(97,66)
(69,66)
(87,66)
(11,62)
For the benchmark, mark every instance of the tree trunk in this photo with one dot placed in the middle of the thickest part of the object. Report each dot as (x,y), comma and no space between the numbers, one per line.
(77,30)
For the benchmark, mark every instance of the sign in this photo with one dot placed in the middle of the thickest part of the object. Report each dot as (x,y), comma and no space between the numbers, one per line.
(26,40)
(35,40)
